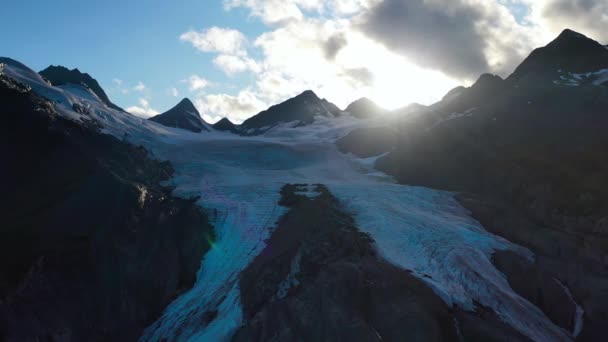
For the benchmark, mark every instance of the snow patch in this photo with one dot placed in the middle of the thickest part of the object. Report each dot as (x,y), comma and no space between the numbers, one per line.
(291,280)
(579,313)
(596,78)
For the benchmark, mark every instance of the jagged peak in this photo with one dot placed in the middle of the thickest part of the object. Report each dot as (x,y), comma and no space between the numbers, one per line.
(74,71)
(186,106)
(307,94)
(568,34)
(569,52)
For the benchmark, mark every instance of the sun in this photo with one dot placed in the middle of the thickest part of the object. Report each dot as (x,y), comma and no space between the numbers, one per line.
(395,81)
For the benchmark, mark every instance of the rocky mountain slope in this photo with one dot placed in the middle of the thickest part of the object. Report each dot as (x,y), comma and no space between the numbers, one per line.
(59,75)
(528,153)
(184,115)
(92,247)
(300,110)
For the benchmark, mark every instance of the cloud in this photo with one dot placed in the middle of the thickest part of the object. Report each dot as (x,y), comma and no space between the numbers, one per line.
(216,39)
(140,87)
(360,77)
(270,11)
(173,92)
(143,110)
(236,108)
(196,83)
(236,64)
(462,38)
(333,45)
(589,17)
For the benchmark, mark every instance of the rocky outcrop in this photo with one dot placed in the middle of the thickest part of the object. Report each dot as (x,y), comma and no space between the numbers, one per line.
(91,246)
(184,115)
(319,279)
(59,75)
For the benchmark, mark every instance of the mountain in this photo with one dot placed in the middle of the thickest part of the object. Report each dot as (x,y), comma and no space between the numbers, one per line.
(570,52)
(89,227)
(226,125)
(301,110)
(527,156)
(184,115)
(59,75)
(364,108)
(482,217)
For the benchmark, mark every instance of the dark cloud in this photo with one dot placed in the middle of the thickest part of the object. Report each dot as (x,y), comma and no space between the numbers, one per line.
(589,17)
(359,77)
(434,34)
(333,45)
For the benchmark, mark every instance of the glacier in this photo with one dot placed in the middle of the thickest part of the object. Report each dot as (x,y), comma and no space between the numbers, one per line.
(238,180)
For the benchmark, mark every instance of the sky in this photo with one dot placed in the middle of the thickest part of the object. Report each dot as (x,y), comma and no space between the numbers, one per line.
(234,58)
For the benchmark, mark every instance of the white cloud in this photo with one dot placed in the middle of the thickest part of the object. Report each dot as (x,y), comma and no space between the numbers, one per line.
(236,108)
(589,17)
(196,83)
(173,92)
(236,64)
(270,11)
(143,110)
(140,87)
(217,39)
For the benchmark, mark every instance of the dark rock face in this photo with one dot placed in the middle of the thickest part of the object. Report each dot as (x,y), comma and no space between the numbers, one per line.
(533,154)
(59,75)
(184,115)
(569,52)
(566,261)
(91,246)
(226,125)
(302,109)
(364,108)
(320,279)
(369,142)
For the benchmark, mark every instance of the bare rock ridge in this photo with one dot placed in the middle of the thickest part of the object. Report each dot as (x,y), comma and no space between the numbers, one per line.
(59,75)
(184,115)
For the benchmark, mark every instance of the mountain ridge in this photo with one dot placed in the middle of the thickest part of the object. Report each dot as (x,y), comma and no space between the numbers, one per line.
(59,75)
(300,109)
(183,115)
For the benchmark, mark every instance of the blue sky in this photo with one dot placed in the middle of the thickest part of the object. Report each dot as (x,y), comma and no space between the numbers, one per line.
(135,40)
(236,57)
